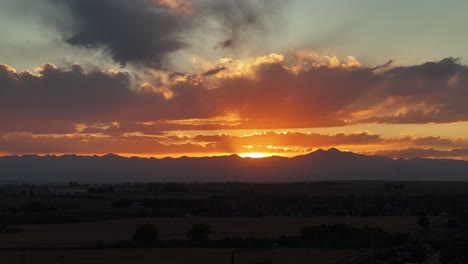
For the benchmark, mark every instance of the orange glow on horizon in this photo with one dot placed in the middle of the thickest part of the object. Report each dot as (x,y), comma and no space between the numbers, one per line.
(254,155)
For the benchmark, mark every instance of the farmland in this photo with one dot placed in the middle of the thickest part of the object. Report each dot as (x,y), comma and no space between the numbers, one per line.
(95,223)
(176,228)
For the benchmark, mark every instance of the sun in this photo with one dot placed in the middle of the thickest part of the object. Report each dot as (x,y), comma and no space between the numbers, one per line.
(254,155)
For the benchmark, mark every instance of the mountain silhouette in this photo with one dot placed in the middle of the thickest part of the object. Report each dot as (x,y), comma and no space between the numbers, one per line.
(320,165)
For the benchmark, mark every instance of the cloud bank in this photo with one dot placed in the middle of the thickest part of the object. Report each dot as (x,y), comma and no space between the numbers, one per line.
(272,95)
(145,32)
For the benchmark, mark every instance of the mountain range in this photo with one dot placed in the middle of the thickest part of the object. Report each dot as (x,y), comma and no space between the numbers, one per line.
(320,165)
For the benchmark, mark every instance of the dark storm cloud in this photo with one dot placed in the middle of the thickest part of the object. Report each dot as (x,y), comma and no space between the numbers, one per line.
(239,18)
(146,31)
(139,31)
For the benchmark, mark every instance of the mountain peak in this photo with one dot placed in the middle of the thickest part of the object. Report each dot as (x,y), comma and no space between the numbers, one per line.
(330,164)
(112,155)
(334,150)
(330,150)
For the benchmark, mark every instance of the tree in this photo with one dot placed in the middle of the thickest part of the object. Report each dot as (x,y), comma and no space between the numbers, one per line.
(145,234)
(199,232)
(424,222)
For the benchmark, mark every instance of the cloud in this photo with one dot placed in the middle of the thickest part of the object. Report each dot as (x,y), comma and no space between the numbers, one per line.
(25,143)
(214,71)
(268,92)
(181,6)
(432,92)
(457,153)
(142,140)
(147,32)
(228,43)
(61,95)
(139,31)
(19,143)
(70,96)
(242,19)
(291,139)
(428,141)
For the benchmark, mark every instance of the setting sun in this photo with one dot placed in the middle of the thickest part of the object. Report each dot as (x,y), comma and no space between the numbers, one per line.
(255,155)
(252,88)
(233,131)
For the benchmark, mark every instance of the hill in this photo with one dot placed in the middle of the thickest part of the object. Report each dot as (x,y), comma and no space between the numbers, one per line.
(321,165)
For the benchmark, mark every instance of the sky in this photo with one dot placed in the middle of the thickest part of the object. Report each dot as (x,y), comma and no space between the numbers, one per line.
(157,78)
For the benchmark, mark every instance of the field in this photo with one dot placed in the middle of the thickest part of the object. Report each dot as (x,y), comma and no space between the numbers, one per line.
(176,228)
(70,235)
(231,210)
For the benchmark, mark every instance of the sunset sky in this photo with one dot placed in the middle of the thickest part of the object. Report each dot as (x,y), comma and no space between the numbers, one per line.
(215,77)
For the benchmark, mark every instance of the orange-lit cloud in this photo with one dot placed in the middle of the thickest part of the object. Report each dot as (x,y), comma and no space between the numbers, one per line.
(274,98)
(228,68)
(263,93)
(306,59)
(267,143)
(181,6)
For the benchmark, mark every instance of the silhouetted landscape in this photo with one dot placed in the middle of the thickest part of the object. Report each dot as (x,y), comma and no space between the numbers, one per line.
(328,205)
(233,132)
(327,221)
(321,165)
